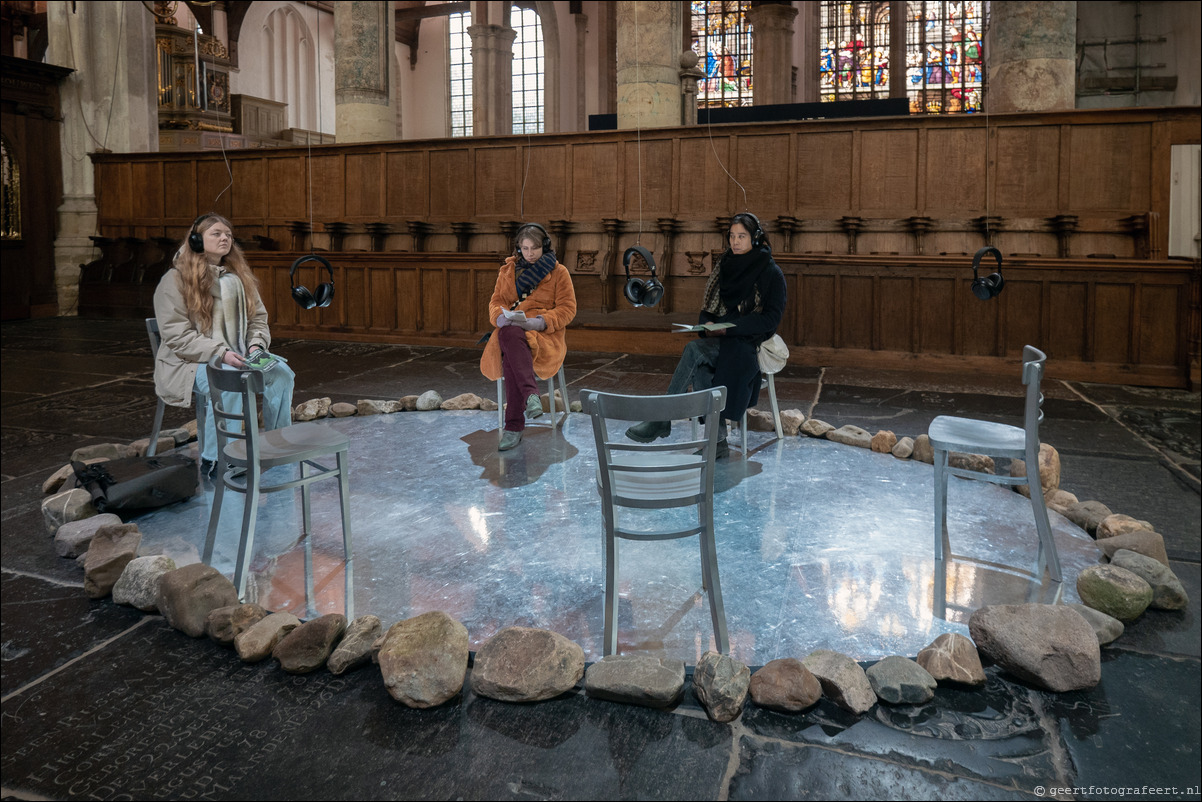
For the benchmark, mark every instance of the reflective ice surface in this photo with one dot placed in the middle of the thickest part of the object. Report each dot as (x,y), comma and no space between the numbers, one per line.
(820,545)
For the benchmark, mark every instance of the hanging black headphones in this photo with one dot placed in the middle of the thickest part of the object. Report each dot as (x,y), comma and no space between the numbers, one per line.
(196,240)
(517,242)
(755,229)
(990,286)
(639,292)
(324,292)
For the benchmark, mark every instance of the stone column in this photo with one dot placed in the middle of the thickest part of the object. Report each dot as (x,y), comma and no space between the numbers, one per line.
(363,38)
(1031,49)
(98,41)
(772,52)
(221,28)
(649,37)
(492,79)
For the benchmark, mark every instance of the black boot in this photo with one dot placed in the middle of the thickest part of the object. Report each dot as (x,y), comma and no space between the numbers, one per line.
(649,431)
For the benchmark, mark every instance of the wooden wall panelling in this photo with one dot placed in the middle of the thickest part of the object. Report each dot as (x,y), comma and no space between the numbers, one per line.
(1066,302)
(146,180)
(215,190)
(452,184)
(702,183)
(824,174)
(889,170)
(1112,319)
(1110,167)
(979,321)
(288,187)
(461,317)
(365,179)
(896,303)
(595,171)
(548,186)
(818,307)
(329,187)
(762,160)
(179,191)
(382,288)
(1025,171)
(499,177)
(114,195)
(954,173)
(408,300)
(354,298)
(1024,319)
(937,333)
(408,184)
(1161,323)
(855,310)
(647,186)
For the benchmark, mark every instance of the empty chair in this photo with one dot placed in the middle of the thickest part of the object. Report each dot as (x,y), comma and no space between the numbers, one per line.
(199,399)
(244,453)
(653,476)
(972,436)
(563,390)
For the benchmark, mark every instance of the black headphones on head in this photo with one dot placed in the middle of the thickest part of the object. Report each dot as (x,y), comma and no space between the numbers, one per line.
(990,286)
(757,231)
(517,240)
(639,292)
(196,240)
(324,292)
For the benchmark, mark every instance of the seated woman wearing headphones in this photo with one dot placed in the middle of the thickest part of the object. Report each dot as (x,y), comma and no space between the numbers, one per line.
(746,289)
(209,313)
(526,346)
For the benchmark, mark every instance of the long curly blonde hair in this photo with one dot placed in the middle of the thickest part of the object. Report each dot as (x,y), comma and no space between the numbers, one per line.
(195,280)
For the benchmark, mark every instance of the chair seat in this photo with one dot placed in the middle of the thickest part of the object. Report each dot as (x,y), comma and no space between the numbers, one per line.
(659,486)
(977,436)
(291,444)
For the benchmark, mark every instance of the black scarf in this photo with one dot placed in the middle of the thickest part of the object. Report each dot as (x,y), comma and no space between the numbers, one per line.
(734,285)
(527,276)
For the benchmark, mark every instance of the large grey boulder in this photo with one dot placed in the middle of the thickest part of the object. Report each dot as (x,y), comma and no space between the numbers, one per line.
(342,410)
(138,585)
(636,679)
(903,448)
(1167,591)
(65,507)
(520,664)
(816,428)
(785,685)
(72,539)
(1048,645)
(842,679)
(850,435)
(1114,591)
(428,401)
(423,659)
(721,683)
(1087,514)
(1143,541)
(951,657)
(113,547)
(224,624)
(900,681)
(1106,627)
(791,421)
(923,452)
(188,594)
(462,401)
(258,641)
(356,647)
(312,409)
(307,647)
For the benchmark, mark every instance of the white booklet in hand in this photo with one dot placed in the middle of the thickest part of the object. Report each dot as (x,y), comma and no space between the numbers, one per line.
(515,314)
(681,328)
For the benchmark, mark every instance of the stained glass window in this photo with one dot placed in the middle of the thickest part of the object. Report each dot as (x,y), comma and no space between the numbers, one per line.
(855,51)
(944,64)
(461,75)
(722,42)
(528,69)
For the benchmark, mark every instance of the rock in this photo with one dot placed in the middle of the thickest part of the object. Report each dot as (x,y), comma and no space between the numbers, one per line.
(1087,514)
(951,657)
(785,685)
(260,638)
(224,624)
(1048,645)
(429,400)
(312,409)
(1167,590)
(1106,627)
(546,401)
(900,681)
(843,681)
(636,679)
(575,406)
(102,450)
(883,442)
(1119,524)
(1049,471)
(922,450)
(971,462)
(850,435)
(307,647)
(1059,500)
(488,405)
(64,477)
(355,648)
(165,443)
(181,435)
(760,421)
(527,665)
(721,683)
(190,427)
(342,410)
(369,407)
(72,539)
(138,585)
(113,547)
(903,448)
(791,421)
(65,507)
(188,594)
(423,659)
(816,428)
(462,401)
(1143,541)
(1114,591)
(409,403)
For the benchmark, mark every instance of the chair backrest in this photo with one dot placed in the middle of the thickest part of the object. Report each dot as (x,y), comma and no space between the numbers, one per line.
(242,425)
(1033,360)
(152,331)
(654,475)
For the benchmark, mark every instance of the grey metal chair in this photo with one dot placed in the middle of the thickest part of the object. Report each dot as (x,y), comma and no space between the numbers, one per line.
(563,391)
(653,476)
(973,436)
(768,379)
(199,399)
(243,454)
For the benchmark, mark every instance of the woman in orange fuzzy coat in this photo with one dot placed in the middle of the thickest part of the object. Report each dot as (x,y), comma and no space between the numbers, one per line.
(526,346)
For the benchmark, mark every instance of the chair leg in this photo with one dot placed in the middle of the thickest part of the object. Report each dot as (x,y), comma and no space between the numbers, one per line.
(501,407)
(201,401)
(709,564)
(246,542)
(344,498)
(780,433)
(611,585)
(743,426)
(214,518)
(1047,546)
(152,447)
(307,534)
(943,547)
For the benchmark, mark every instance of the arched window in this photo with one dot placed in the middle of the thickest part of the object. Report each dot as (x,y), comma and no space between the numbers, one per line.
(944,66)
(528,72)
(722,42)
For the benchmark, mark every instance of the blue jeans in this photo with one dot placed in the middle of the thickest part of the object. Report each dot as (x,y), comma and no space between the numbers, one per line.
(277,403)
(696,366)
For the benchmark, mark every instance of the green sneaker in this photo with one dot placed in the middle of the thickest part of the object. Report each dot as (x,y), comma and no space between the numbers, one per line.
(534,406)
(509,440)
(649,431)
